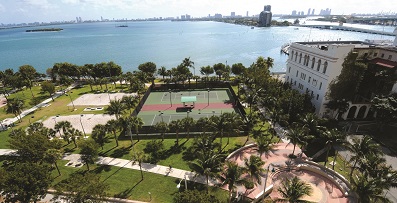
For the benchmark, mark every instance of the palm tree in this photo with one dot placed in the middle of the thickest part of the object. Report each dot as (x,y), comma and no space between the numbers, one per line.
(99,134)
(205,124)
(362,148)
(333,138)
(253,166)
(207,164)
(65,126)
(231,176)
(74,133)
(190,64)
(15,107)
(52,156)
(369,190)
(113,126)
(137,123)
(89,152)
(298,135)
(116,107)
(263,145)
(162,127)
(130,101)
(293,190)
(139,157)
(176,126)
(188,123)
(162,71)
(269,62)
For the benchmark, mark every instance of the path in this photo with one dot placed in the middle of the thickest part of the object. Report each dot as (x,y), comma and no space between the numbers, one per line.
(44,103)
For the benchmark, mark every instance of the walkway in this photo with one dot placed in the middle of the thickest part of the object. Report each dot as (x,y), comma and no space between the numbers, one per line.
(44,103)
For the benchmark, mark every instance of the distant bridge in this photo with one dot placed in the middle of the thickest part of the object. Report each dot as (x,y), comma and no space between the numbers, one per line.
(352,29)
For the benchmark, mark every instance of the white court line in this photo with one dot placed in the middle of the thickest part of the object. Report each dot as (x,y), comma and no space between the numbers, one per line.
(217,95)
(169,120)
(163,97)
(154,118)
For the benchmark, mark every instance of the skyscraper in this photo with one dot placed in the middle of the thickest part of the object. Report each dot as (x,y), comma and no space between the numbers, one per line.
(294,13)
(308,11)
(313,12)
(265,17)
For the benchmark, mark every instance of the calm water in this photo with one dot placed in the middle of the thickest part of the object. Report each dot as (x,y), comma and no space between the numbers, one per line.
(165,43)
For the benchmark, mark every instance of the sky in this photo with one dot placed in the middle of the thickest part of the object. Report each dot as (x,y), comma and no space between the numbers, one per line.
(25,11)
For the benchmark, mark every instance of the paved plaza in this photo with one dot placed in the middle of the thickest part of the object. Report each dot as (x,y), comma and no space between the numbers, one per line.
(88,121)
(101,99)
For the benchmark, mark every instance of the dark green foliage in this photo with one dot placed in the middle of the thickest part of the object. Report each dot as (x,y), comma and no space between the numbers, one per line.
(89,151)
(155,149)
(386,109)
(194,196)
(293,190)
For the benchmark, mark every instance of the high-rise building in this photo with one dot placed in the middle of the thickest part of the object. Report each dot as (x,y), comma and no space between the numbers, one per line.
(265,17)
(187,17)
(247,13)
(233,14)
(183,17)
(308,11)
(293,13)
(313,12)
(217,15)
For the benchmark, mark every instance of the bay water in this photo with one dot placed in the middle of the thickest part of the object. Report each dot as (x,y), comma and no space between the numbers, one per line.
(165,43)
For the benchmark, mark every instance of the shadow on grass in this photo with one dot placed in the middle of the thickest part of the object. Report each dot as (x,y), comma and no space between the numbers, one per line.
(120,152)
(101,168)
(127,192)
(129,162)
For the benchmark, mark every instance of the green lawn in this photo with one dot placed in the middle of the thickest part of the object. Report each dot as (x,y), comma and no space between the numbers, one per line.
(126,183)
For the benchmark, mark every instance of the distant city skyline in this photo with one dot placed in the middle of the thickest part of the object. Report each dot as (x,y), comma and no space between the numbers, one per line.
(22,11)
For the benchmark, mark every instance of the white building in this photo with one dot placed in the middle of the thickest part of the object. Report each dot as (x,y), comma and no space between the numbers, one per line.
(312,66)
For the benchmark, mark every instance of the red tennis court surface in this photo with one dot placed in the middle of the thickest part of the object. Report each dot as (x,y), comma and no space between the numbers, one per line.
(163,107)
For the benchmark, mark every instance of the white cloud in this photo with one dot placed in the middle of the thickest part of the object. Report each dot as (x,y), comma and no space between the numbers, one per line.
(2,8)
(41,4)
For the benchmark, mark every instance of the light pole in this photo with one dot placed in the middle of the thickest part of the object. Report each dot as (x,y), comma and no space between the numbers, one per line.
(82,127)
(208,96)
(71,100)
(267,174)
(29,120)
(185,182)
(213,113)
(161,115)
(187,113)
(179,184)
(150,196)
(55,119)
(169,90)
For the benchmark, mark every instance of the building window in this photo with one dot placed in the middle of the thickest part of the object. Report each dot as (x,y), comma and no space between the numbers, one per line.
(297,72)
(289,69)
(321,84)
(300,58)
(295,82)
(325,67)
(313,62)
(389,57)
(292,55)
(296,56)
(311,94)
(307,89)
(383,55)
(314,83)
(303,76)
(287,78)
(317,96)
(319,64)
(309,80)
(375,54)
(291,80)
(307,60)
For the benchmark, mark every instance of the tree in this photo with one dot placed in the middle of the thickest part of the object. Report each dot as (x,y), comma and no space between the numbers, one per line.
(263,145)
(254,167)
(89,152)
(99,134)
(333,138)
(137,123)
(386,110)
(74,134)
(293,190)
(162,71)
(116,107)
(238,69)
(26,181)
(341,106)
(190,64)
(130,101)
(139,157)
(47,86)
(187,124)
(369,190)
(52,156)
(15,106)
(298,135)
(360,149)
(28,74)
(231,176)
(149,69)
(65,126)
(82,187)
(176,126)
(194,196)
(162,127)
(206,70)
(219,69)
(113,126)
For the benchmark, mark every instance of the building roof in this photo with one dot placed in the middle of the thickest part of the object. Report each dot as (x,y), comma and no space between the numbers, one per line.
(383,62)
(188,99)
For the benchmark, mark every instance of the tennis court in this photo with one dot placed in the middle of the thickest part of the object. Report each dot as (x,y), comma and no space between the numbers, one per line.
(169,106)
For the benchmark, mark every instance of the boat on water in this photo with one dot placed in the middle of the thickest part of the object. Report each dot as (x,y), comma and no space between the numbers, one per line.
(296,28)
(252,27)
(122,26)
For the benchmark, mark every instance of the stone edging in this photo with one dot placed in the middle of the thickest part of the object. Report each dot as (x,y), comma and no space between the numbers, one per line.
(240,149)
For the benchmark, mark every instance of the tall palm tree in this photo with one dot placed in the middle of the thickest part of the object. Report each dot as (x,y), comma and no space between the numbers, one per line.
(190,64)
(15,107)
(188,123)
(52,156)
(176,126)
(139,157)
(137,123)
(99,135)
(293,190)
(74,134)
(231,176)
(130,102)
(369,190)
(207,164)
(113,126)
(116,107)
(333,138)
(298,135)
(162,127)
(162,71)
(263,145)
(205,124)
(65,126)
(254,167)
(362,148)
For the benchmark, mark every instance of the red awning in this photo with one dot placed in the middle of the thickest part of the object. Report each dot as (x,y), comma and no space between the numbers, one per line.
(384,63)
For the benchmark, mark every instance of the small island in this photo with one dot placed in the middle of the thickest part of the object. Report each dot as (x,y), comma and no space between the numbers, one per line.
(46,30)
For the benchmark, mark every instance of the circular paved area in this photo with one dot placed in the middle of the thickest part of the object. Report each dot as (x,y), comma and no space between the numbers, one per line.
(323,189)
